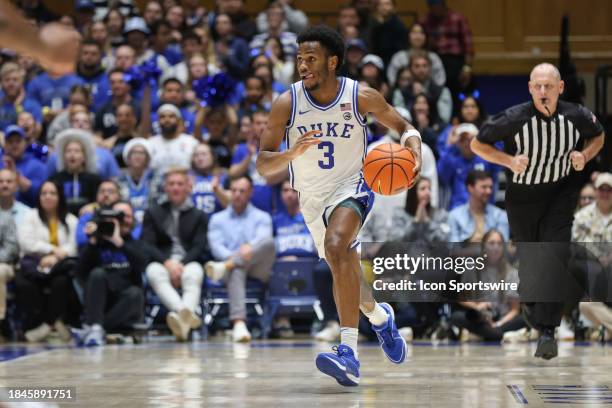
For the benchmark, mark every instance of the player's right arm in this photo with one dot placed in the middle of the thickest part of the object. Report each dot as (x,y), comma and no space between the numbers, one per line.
(269,159)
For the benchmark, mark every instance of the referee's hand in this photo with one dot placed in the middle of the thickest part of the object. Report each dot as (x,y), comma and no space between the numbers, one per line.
(519,163)
(578,160)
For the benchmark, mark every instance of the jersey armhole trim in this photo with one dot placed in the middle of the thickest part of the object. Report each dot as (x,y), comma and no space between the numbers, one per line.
(293,107)
(360,119)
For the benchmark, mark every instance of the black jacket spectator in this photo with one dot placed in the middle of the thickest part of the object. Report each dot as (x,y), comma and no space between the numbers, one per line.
(193,226)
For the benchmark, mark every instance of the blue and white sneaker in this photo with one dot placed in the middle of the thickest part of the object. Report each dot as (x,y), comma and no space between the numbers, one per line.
(342,365)
(391,342)
(95,337)
(78,335)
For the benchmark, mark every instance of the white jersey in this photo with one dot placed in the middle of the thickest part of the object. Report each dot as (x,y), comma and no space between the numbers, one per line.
(338,159)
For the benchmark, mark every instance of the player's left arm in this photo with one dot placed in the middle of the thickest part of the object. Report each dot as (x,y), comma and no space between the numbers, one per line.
(371,101)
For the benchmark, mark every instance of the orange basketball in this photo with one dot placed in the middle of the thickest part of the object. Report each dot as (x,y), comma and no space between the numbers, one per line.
(389,169)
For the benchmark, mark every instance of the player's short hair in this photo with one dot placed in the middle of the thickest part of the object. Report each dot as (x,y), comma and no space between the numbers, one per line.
(477,175)
(329,38)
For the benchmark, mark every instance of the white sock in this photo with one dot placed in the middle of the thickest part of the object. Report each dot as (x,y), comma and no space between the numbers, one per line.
(348,337)
(378,316)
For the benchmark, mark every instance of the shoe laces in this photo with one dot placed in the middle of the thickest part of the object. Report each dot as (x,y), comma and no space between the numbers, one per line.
(339,352)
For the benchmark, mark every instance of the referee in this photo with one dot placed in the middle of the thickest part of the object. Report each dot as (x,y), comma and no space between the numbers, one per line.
(541,153)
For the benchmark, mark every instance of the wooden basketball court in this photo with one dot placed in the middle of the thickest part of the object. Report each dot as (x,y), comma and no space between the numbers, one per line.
(282,374)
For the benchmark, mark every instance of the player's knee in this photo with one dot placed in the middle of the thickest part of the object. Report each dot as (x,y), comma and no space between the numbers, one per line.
(336,248)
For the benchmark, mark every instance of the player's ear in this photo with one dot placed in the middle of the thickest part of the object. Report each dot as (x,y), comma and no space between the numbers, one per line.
(332,62)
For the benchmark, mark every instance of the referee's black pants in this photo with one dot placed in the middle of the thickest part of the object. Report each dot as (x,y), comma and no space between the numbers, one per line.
(540,219)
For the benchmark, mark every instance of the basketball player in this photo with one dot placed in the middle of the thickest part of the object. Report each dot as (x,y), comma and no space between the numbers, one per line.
(54,46)
(322,120)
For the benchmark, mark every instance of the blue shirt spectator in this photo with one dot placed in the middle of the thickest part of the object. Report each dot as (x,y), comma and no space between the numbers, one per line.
(228,230)
(203,195)
(291,236)
(52,92)
(32,172)
(263,194)
(13,99)
(457,160)
(470,221)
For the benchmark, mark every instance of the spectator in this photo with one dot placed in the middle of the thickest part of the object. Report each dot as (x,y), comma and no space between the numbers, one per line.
(47,240)
(176,234)
(30,171)
(76,168)
(153,12)
(243,163)
(9,255)
(33,132)
(222,125)
(106,119)
(85,11)
(171,148)
(242,244)
(355,52)
(126,131)
(14,99)
(426,121)
(456,161)
(106,165)
(175,15)
(593,222)
(125,58)
(161,38)
(110,270)
(255,88)
(52,92)
(294,20)
(420,70)
(115,21)
(283,68)
(173,92)
(470,221)
(243,25)
(36,9)
(389,34)
(471,111)
(92,73)
(291,236)
(371,71)
(275,18)
(191,45)
(8,204)
(232,52)
(586,196)
(139,184)
(490,314)
(106,196)
(137,34)
(194,13)
(348,20)
(450,37)
(98,33)
(261,66)
(417,39)
(79,101)
(365,9)
(208,195)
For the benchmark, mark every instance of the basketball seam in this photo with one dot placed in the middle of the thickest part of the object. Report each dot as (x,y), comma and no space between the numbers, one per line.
(376,176)
(391,178)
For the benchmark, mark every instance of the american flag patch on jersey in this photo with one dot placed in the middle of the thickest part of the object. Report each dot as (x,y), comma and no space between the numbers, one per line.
(345,107)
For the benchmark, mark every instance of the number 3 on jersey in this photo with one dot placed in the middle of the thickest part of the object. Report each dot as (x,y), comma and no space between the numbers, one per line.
(328,154)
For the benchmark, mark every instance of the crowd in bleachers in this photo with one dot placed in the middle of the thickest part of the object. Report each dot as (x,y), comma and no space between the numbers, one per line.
(116,180)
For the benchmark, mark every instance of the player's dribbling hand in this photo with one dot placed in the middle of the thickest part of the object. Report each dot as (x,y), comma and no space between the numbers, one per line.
(519,163)
(578,160)
(304,142)
(417,167)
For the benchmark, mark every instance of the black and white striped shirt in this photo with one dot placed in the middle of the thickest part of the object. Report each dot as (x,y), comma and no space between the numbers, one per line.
(546,141)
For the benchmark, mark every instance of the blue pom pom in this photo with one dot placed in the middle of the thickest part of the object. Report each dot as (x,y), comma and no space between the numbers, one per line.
(214,91)
(147,72)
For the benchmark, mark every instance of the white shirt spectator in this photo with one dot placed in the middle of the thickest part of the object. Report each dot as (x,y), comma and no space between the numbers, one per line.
(174,152)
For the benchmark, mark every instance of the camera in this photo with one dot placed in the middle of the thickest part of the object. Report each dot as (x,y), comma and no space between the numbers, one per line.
(103,218)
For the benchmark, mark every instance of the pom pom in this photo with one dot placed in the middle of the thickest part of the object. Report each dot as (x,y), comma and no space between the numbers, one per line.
(137,76)
(214,91)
